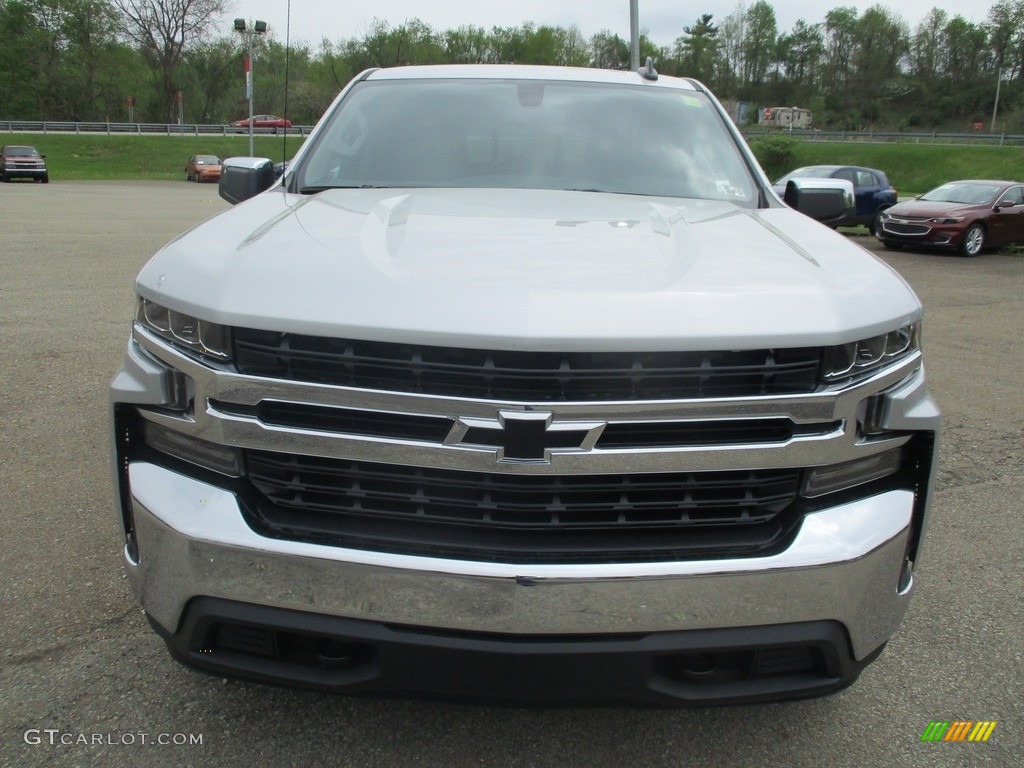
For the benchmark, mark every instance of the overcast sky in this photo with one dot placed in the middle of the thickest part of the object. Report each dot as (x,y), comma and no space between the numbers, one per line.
(664,19)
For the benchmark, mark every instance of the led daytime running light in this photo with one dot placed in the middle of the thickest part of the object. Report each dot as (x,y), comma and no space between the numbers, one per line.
(185,331)
(856,358)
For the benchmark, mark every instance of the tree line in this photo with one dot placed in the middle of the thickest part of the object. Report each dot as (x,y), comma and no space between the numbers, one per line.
(83,59)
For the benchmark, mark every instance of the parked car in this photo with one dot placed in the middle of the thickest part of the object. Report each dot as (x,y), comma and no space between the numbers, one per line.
(263,121)
(969,216)
(519,403)
(871,189)
(202,168)
(23,162)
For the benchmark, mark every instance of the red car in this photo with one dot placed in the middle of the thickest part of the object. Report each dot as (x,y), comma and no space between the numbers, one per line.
(23,162)
(967,216)
(202,168)
(263,121)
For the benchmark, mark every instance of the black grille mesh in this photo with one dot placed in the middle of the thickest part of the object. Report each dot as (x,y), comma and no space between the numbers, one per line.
(519,518)
(525,376)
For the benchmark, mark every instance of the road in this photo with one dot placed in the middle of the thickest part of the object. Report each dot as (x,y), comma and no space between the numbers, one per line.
(80,663)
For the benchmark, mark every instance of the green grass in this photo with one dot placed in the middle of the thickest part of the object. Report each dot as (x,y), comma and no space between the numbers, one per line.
(83,158)
(912,168)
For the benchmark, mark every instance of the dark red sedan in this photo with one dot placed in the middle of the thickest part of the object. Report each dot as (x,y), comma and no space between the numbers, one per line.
(263,121)
(966,216)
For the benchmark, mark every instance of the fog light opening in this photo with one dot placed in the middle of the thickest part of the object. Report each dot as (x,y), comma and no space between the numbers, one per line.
(219,458)
(335,654)
(837,477)
(697,664)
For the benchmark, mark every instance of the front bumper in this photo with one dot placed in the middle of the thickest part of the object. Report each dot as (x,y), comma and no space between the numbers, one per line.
(230,600)
(924,236)
(25,173)
(838,580)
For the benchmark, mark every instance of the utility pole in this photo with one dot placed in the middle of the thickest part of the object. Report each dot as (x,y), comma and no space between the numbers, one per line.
(257,28)
(634,35)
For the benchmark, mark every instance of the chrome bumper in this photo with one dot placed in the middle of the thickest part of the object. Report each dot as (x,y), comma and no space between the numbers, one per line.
(843,565)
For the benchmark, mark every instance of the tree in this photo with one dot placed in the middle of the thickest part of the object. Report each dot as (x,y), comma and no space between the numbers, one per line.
(760,46)
(881,45)
(212,73)
(573,49)
(840,39)
(926,49)
(800,54)
(694,54)
(19,63)
(967,50)
(609,51)
(466,45)
(95,68)
(729,61)
(162,29)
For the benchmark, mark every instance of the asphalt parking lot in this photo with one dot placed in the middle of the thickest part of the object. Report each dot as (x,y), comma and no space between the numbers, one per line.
(85,681)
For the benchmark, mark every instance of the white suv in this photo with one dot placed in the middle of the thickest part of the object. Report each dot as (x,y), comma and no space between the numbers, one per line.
(522,384)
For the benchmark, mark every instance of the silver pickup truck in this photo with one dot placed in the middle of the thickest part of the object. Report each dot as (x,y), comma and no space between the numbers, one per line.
(521,384)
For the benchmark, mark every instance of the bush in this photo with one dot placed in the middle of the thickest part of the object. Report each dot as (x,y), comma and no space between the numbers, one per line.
(775,153)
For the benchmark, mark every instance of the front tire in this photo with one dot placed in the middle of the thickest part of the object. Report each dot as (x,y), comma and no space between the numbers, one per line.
(974,241)
(875,226)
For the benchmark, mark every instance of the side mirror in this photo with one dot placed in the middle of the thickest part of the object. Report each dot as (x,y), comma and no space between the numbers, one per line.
(244,177)
(1005,204)
(829,201)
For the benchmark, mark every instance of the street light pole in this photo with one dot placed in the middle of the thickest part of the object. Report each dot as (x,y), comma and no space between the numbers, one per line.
(634,35)
(257,28)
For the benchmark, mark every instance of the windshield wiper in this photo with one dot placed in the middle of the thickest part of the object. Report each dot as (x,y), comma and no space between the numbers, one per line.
(314,189)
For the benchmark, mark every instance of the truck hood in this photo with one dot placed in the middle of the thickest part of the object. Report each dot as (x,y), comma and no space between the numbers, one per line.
(528,269)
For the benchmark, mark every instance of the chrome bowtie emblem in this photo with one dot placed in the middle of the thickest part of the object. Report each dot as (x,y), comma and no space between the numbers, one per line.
(525,436)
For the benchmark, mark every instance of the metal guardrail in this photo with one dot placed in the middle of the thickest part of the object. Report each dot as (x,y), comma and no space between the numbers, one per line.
(978,138)
(144,129)
(195,129)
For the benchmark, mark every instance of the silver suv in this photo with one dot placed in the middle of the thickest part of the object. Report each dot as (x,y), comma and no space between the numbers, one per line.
(522,384)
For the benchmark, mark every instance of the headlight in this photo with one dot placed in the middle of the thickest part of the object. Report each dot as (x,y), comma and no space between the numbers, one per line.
(860,357)
(946,220)
(185,331)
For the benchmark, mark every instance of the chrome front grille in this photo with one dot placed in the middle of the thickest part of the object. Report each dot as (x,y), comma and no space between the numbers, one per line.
(906,227)
(520,480)
(438,430)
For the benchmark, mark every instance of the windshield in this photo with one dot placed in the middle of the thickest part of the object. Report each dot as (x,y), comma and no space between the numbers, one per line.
(529,134)
(966,193)
(21,152)
(811,171)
